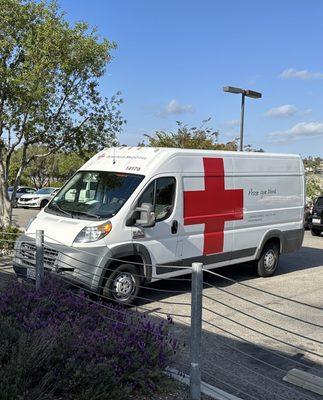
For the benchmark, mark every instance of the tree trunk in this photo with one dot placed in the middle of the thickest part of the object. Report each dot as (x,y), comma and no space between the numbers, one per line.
(6,212)
(5,203)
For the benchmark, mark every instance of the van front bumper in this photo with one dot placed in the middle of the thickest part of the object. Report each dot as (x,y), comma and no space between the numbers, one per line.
(29,203)
(85,266)
(316,222)
(318,227)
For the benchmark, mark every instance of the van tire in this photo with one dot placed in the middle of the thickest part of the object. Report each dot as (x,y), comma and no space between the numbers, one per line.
(122,285)
(268,261)
(315,232)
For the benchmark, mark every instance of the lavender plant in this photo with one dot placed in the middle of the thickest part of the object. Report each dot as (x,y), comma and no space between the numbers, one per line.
(58,345)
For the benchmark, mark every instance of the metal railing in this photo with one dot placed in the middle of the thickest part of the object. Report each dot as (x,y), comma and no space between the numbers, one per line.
(251,350)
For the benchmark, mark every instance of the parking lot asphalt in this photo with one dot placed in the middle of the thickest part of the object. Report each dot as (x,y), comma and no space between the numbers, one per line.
(232,342)
(21,216)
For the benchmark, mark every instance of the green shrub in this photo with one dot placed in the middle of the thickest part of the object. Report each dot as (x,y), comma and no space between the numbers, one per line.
(8,236)
(55,345)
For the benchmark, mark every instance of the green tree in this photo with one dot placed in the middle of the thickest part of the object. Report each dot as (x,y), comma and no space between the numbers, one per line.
(52,170)
(39,172)
(313,187)
(249,147)
(68,164)
(202,137)
(49,88)
(312,164)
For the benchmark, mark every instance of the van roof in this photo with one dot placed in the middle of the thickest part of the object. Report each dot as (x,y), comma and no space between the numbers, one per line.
(142,160)
(138,150)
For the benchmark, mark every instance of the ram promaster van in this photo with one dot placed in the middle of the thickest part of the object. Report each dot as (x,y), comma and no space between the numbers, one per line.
(133,215)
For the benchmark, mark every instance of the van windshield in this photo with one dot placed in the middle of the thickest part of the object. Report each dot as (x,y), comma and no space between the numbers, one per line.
(94,194)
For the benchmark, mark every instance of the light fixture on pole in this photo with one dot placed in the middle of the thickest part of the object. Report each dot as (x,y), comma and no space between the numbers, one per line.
(244,93)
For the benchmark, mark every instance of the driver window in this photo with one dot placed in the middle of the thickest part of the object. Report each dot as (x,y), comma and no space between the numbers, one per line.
(161,194)
(148,195)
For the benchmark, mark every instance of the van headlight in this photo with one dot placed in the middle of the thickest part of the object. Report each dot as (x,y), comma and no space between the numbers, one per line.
(93,233)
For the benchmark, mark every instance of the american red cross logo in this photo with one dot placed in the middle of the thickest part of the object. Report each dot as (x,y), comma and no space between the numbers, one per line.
(213,206)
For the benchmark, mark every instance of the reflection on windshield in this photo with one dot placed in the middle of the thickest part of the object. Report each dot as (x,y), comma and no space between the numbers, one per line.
(94,195)
(45,191)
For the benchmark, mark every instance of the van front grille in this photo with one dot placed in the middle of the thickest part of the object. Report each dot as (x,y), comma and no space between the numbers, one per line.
(28,254)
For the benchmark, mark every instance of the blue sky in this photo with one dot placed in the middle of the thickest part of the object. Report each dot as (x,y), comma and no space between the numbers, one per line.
(174,57)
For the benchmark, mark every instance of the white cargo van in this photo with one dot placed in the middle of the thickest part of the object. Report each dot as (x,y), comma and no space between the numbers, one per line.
(133,215)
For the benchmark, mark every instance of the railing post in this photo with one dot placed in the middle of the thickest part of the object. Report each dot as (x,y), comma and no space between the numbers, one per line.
(39,258)
(196,330)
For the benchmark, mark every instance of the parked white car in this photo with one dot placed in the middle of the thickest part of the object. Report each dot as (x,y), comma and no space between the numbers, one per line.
(21,190)
(38,199)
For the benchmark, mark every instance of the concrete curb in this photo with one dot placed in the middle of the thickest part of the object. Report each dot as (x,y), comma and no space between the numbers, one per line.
(305,380)
(206,388)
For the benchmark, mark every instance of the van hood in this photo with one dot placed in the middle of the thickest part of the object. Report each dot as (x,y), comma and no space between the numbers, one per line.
(57,229)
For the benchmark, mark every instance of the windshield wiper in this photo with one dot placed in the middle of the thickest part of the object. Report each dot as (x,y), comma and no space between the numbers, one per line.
(86,213)
(60,209)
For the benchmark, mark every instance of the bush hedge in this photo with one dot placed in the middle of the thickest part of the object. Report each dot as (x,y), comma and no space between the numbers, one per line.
(55,344)
(8,237)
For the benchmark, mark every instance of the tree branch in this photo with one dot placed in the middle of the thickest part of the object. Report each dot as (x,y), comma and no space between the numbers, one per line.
(65,97)
(19,173)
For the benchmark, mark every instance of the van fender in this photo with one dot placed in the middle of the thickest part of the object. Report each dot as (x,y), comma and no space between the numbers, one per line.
(122,254)
(272,234)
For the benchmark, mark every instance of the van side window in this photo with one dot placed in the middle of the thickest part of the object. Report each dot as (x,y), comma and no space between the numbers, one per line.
(161,194)
(148,195)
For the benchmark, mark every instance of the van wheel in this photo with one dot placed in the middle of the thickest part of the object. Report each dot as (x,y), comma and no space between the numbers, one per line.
(43,203)
(315,232)
(122,285)
(268,261)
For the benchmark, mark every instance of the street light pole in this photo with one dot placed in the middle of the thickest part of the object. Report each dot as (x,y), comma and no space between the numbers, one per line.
(242,121)
(244,93)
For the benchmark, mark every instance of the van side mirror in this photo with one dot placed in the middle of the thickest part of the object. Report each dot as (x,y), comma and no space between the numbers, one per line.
(147,215)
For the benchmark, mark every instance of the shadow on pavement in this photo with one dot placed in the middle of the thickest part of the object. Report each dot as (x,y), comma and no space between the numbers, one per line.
(225,367)
(305,258)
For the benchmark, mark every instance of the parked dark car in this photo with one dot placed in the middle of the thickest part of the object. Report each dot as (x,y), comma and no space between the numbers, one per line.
(316,222)
(308,215)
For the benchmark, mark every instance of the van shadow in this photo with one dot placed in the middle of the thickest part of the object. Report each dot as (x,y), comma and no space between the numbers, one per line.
(305,258)
(229,362)
(233,366)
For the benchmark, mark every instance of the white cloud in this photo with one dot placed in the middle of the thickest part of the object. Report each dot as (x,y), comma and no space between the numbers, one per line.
(299,131)
(286,110)
(300,74)
(233,123)
(175,108)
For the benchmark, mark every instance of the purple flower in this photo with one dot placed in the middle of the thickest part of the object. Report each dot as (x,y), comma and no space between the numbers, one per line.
(87,342)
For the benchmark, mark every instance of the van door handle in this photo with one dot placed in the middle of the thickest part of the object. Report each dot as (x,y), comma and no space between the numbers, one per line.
(174,227)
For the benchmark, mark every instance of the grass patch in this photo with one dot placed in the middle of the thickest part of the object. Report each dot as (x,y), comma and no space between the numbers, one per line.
(8,236)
